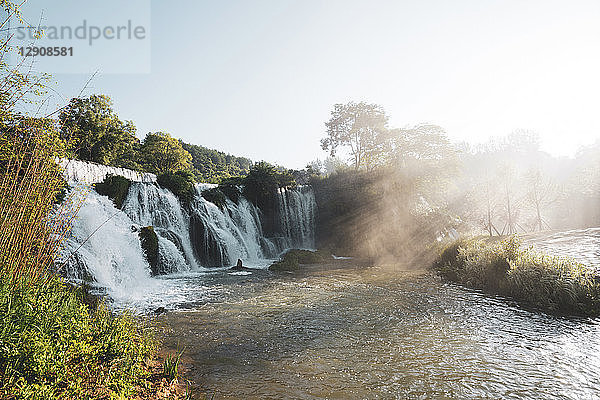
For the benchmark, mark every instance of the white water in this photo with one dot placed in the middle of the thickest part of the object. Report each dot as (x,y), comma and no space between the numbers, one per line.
(104,246)
(109,254)
(89,172)
(150,205)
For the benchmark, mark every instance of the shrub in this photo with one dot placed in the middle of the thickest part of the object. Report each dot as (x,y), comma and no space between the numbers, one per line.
(552,284)
(180,183)
(54,346)
(215,196)
(115,187)
(231,188)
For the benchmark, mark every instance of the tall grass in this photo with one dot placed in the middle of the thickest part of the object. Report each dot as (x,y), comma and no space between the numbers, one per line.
(554,284)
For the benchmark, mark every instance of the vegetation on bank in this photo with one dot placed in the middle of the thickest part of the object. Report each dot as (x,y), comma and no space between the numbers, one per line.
(552,284)
(292,259)
(180,183)
(54,342)
(115,187)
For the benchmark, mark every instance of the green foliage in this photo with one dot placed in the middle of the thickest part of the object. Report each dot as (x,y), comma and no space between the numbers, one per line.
(262,182)
(161,153)
(215,196)
(231,187)
(213,166)
(96,133)
(149,242)
(292,259)
(115,187)
(171,365)
(362,128)
(549,283)
(180,183)
(53,346)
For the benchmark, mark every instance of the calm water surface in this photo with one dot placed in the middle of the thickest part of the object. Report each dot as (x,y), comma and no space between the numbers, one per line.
(346,331)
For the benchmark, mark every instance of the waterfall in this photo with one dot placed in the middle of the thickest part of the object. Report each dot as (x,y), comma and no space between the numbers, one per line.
(103,248)
(149,205)
(297,210)
(106,240)
(89,172)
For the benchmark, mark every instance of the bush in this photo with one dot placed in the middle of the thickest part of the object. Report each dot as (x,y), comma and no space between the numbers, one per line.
(215,196)
(552,284)
(115,187)
(180,183)
(292,259)
(54,346)
(231,188)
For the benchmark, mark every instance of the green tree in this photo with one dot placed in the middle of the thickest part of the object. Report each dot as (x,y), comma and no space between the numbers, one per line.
(95,132)
(162,153)
(361,128)
(215,166)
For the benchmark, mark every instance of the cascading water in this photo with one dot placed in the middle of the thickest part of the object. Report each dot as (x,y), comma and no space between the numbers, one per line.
(297,213)
(149,205)
(190,239)
(104,249)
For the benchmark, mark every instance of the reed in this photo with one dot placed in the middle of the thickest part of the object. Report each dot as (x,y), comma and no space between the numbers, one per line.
(552,284)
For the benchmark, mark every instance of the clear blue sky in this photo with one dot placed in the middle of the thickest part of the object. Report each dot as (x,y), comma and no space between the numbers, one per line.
(259,78)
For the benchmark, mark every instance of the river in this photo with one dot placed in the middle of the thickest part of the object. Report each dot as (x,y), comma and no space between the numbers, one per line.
(350,331)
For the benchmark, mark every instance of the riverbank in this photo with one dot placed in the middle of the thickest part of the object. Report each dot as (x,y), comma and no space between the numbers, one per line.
(551,284)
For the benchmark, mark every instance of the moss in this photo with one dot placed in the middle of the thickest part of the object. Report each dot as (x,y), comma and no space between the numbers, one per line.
(115,187)
(215,196)
(292,259)
(180,183)
(552,284)
(149,242)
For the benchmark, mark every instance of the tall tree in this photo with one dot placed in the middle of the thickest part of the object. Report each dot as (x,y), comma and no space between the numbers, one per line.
(542,192)
(162,153)
(362,129)
(95,131)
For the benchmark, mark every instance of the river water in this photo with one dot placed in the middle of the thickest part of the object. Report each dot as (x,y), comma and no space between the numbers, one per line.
(350,331)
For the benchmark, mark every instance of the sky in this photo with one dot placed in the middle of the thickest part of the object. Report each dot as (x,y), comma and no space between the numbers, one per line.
(260,78)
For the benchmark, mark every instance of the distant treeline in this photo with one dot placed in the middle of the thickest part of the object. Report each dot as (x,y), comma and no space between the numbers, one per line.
(95,133)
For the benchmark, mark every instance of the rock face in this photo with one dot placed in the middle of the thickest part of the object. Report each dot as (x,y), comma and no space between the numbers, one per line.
(149,242)
(206,248)
(293,258)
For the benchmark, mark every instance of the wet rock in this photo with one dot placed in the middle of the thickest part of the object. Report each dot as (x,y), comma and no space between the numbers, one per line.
(149,242)
(239,267)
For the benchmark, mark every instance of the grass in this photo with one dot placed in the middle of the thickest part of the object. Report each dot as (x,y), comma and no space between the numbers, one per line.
(552,284)
(52,345)
(171,365)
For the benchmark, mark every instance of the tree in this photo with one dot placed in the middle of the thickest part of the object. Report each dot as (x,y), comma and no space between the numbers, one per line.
(541,193)
(95,132)
(362,128)
(162,153)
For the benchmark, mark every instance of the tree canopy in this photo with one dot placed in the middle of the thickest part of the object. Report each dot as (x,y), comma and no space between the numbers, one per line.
(162,153)
(95,132)
(359,127)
